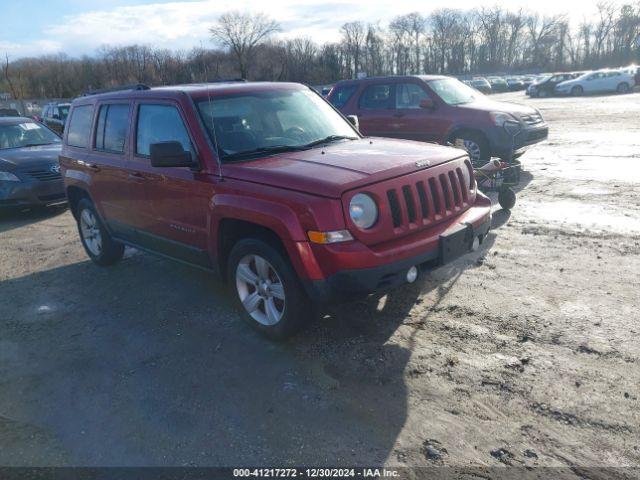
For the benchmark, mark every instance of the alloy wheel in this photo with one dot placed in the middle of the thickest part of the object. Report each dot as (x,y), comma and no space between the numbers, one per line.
(91,235)
(473,149)
(260,290)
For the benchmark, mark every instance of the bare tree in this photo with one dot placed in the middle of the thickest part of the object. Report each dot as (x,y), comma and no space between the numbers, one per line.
(543,33)
(354,35)
(7,76)
(606,21)
(241,33)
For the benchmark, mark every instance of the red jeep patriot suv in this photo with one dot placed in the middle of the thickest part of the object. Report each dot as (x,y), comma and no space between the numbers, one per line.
(269,185)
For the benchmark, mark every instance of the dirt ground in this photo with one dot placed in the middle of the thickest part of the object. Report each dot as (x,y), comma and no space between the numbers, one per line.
(525,353)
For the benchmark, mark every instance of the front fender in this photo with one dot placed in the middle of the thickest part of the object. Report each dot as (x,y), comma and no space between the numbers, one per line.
(279,218)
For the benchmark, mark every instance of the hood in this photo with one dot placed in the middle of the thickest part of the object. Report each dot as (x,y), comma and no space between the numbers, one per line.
(20,158)
(332,170)
(489,105)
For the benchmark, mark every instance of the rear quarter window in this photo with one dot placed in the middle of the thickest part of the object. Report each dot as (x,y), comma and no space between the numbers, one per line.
(80,126)
(111,128)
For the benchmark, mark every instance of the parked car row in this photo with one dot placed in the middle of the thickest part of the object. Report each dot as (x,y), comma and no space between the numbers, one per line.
(500,84)
(601,81)
(620,80)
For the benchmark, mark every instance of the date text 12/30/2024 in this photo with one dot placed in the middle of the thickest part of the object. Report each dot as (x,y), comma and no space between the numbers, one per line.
(315,472)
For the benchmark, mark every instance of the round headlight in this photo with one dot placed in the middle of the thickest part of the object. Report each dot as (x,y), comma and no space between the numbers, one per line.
(363,211)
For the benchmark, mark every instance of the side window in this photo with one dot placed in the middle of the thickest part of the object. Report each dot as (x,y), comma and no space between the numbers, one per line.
(45,112)
(342,94)
(80,126)
(376,97)
(409,95)
(160,123)
(111,128)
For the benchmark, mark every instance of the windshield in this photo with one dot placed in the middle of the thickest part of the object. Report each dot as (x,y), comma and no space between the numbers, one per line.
(453,91)
(26,134)
(265,122)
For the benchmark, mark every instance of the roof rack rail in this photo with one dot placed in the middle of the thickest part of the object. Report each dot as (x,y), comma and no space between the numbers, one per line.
(227,80)
(134,86)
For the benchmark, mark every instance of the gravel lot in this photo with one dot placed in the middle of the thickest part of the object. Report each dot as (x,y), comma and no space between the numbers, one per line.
(524,353)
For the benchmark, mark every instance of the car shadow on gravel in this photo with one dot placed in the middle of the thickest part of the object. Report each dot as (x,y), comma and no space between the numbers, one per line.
(15,218)
(148,363)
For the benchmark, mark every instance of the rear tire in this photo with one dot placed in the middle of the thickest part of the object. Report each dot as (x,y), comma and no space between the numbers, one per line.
(267,289)
(577,91)
(97,242)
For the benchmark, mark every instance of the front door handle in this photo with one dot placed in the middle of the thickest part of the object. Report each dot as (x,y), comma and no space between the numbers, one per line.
(137,177)
(398,115)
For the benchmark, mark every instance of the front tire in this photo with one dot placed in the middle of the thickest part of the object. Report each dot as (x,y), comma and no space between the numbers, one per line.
(97,242)
(577,91)
(476,146)
(267,289)
(623,88)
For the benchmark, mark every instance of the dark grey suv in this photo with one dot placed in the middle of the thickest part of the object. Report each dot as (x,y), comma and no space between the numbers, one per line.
(54,116)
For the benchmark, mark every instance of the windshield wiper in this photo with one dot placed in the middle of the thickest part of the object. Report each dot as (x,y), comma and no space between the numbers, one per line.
(265,150)
(330,138)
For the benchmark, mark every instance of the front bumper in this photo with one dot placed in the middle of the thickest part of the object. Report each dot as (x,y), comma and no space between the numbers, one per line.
(351,283)
(31,193)
(503,144)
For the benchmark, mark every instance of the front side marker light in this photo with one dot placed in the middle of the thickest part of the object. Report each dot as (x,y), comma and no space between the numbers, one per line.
(329,237)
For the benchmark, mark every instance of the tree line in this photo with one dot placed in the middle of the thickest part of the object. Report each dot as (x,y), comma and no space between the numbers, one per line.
(447,41)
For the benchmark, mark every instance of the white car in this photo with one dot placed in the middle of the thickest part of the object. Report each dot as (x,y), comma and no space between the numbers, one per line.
(602,81)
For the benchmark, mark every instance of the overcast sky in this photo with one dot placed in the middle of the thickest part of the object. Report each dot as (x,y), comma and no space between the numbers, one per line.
(76,27)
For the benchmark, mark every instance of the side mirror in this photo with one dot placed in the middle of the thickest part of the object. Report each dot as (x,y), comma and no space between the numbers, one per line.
(353,120)
(427,104)
(170,154)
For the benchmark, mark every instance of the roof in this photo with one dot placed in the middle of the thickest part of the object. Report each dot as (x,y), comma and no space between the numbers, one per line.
(195,90)
(425,78)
